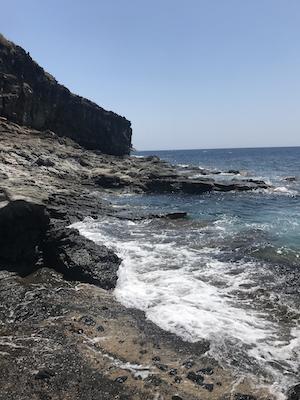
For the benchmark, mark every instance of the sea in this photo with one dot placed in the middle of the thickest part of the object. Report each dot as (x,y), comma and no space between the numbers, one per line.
(229,272)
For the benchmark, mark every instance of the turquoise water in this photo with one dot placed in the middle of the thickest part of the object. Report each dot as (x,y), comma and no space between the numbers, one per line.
(276,211)
(230,272)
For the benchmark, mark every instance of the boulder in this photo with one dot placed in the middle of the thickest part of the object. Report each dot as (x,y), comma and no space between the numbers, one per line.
(22,230)
(78,258)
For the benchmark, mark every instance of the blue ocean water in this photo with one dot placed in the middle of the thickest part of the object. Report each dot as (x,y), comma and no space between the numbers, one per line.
(230,272)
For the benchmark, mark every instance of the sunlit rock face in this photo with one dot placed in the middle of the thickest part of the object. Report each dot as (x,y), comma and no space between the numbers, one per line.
(30,96)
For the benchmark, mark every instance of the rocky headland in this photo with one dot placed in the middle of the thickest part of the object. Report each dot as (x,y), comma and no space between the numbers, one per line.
(32,97)
(63,335)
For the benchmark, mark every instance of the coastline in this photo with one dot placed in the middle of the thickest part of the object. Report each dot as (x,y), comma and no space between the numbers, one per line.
(75,341)
(70,338)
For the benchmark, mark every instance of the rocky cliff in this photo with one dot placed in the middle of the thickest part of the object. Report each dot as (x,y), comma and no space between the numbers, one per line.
(32,97)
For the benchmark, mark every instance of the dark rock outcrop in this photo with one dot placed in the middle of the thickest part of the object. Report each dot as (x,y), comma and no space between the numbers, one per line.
(27,242)
(30,96)
(22,229)
(153,175)
(78,258)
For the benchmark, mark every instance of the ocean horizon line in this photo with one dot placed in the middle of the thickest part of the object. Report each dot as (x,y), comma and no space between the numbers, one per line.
(217,148)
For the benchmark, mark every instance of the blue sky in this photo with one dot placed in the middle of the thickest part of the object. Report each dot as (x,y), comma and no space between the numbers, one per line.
(187,74)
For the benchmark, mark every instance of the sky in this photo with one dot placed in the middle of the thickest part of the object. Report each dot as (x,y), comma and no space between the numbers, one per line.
(188,74)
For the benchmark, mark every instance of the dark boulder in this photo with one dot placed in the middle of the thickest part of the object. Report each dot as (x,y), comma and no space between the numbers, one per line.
(78,258)
(27,243)
(22,229)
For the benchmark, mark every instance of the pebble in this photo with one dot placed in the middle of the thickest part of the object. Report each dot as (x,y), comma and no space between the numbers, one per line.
(87,320)
(173,371)
(208,386)
(195,377)
(188,364)
(162,367)
(100,328)
(121,379)
(156,358)
(205,371)
(240,396)
(45,374)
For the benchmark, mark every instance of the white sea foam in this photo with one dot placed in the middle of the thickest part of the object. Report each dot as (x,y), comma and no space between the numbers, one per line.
(138,370)
(285,190)
(182,287)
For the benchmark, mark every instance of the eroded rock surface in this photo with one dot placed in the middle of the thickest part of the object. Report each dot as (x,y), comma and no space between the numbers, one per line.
(30,96)
(80,259)
(23,227)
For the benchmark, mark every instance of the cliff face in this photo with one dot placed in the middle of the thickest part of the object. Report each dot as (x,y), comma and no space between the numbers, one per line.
(30,96)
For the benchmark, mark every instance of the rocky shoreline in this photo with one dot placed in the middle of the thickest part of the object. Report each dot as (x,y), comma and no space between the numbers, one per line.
(63,334)
(49,182)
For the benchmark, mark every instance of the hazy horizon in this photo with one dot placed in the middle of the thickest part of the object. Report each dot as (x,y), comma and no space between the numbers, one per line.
(215,148)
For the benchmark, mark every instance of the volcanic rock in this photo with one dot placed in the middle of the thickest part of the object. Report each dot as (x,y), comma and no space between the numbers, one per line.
(78,258)
(22,229)
(30,96)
